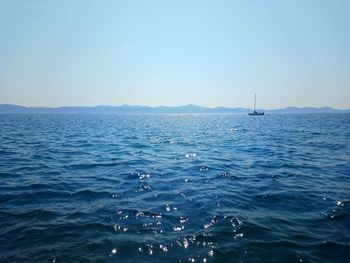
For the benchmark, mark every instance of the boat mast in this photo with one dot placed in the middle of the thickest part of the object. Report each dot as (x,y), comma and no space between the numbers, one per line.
(254,101)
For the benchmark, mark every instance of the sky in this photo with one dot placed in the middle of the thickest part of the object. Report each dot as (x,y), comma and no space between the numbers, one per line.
(209,53)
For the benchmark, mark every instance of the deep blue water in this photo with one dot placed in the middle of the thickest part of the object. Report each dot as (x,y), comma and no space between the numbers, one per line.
(175,188)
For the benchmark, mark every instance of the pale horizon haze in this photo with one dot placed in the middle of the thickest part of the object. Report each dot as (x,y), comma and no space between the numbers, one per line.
(208,53)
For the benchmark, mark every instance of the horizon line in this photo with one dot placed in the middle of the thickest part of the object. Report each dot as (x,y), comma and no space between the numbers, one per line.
(181,105)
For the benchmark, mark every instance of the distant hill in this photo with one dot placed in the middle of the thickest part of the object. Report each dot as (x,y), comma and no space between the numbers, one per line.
(308,110)
(126,109)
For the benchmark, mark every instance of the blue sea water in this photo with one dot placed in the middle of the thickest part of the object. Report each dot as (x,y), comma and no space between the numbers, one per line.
(175,188)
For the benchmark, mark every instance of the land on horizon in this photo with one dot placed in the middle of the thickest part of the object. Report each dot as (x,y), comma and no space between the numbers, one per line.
(136,109)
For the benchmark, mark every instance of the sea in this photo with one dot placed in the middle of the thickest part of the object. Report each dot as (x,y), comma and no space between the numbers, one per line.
(175,188)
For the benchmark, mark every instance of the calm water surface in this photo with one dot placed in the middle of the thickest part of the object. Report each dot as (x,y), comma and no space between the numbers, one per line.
(175,188)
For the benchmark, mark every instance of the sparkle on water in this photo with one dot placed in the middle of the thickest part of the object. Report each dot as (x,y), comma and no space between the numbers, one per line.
(175,188)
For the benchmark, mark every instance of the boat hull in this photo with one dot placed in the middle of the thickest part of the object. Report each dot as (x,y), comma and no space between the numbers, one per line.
(256,113)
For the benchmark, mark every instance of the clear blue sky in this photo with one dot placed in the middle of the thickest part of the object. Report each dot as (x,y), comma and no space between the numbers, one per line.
(210,53)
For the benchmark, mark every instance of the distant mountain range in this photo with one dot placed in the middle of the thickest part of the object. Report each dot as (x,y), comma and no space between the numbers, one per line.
(126,109)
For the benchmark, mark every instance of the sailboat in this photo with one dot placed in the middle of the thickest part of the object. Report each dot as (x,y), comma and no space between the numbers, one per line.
(256,113)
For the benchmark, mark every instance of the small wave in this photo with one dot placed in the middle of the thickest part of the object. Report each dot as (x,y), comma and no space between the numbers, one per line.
(91,194)
(84,166)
